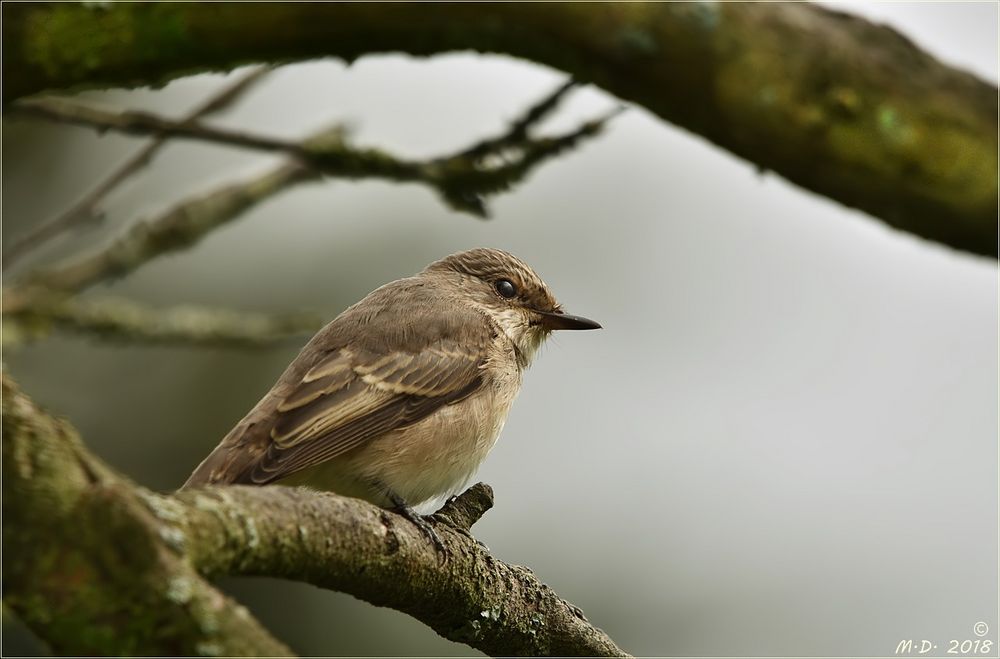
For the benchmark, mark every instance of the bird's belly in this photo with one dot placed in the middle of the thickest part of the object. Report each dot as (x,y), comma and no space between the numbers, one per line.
(432,458)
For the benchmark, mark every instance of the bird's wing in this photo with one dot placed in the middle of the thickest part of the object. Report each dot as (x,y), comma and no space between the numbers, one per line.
(353,395)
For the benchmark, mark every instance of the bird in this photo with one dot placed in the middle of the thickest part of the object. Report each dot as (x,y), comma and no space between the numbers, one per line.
(399,399)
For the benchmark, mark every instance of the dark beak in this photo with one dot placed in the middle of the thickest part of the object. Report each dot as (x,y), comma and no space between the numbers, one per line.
(557,320)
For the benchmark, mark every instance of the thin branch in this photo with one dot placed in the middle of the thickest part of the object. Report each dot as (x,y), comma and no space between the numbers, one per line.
(462,178)
(320,538)
(86,208)
(466,182)
(176,229)
(135,122)
(518,131)
(123,321)
(230,94)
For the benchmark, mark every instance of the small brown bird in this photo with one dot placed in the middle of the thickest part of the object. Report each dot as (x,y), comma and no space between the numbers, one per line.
(399,399)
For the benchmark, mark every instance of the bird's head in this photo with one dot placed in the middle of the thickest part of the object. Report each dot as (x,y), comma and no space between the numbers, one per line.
(507,290)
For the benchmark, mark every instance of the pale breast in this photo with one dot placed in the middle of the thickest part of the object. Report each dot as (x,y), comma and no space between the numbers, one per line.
(432,458)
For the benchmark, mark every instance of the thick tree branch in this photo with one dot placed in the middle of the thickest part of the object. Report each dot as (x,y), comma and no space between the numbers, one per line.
(86,550)
(123,321)
(89,568)
(859,114)
(353,547)
(87,208)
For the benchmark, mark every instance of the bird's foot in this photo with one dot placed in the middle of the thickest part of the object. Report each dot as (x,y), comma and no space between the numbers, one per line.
(402,508)
(425,527)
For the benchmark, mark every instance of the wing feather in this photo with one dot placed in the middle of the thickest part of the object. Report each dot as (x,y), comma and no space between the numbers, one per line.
(362,376)
(352,396)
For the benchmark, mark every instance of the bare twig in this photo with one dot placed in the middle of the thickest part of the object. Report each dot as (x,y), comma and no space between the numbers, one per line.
(176,229)
(518,131)
(118,320)
(462,178)
(231,93)
(465,182)
(134,122)
(154,599)
(86,208)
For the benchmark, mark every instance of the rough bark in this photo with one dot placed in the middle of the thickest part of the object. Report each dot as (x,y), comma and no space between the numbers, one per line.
(88,565)
(835,104)
(95,564)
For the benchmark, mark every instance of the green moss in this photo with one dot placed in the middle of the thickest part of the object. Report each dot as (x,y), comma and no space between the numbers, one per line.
(58,42)
(80,41)
(157,27)
(893,126)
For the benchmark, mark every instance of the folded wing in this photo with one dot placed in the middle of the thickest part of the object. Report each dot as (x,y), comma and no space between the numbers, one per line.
(353,395)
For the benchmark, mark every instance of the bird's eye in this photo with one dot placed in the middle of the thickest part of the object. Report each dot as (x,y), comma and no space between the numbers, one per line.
(505,288)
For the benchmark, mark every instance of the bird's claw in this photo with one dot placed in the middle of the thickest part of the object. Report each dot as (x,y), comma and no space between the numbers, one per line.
(425,527)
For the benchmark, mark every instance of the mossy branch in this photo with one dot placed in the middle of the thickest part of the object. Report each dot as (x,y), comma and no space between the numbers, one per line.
(87,564)
(859,114)
(95,564)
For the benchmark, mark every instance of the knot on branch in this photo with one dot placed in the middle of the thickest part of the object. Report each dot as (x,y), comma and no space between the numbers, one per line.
(465,509)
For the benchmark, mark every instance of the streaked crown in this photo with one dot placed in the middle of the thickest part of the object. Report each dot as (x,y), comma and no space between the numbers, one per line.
(492,265)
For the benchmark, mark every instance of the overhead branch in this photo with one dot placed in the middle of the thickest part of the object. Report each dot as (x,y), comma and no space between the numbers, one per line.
(87,208)
(860,114)
(130,567)
(462,179)
(518,130)
(134,122)
(122,321)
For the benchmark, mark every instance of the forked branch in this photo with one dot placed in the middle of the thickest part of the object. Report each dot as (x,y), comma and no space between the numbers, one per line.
(463,179)
(87,208)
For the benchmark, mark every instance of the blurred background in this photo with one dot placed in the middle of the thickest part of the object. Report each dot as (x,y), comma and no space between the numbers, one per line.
(784,441)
